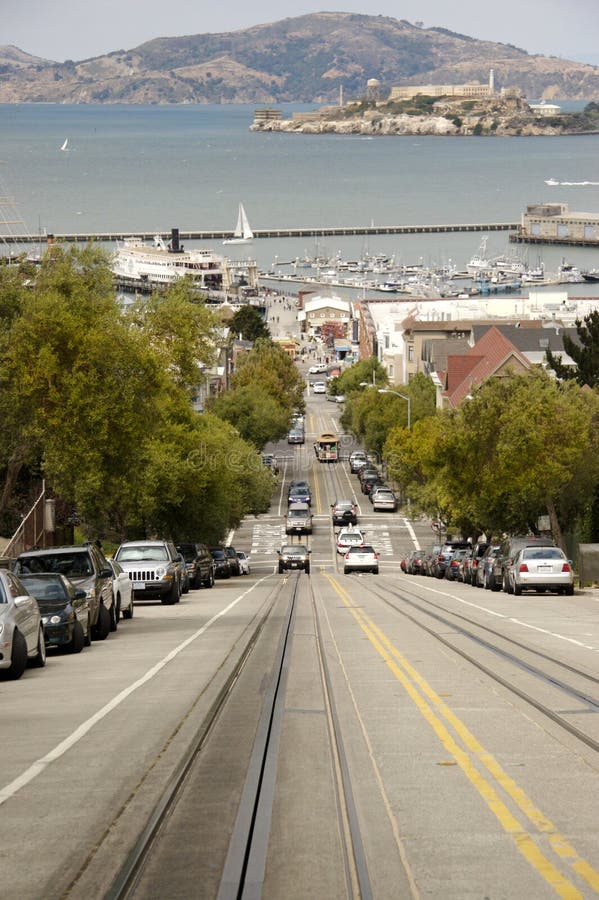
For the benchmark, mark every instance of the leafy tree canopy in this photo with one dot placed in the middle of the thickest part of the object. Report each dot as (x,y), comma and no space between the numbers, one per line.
(585,354)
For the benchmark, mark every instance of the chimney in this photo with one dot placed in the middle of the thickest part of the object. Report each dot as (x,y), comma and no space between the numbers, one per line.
(174,245)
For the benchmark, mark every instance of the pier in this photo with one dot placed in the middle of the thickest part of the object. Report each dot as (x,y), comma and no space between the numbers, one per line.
(214,235)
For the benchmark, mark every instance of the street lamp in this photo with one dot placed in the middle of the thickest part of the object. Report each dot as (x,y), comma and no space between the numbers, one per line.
(403,397)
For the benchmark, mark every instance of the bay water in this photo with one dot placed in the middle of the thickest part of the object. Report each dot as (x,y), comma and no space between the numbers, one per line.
(149,168)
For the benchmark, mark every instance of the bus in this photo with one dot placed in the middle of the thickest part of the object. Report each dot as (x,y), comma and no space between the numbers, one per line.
(326,448)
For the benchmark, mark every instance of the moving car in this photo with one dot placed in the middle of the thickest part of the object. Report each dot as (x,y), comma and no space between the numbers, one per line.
(87,567)
(21,628)
(344,512)
(319,387)
(299,519)
(296,435)
(244,562)
(64,609)
(541,569)
(361,559)
(299,493)
(347,538)
(294,556)
(154,568)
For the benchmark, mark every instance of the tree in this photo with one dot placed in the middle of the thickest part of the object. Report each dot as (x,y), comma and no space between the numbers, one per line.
(269,366)
(585,354)
(249,324)
(256,414)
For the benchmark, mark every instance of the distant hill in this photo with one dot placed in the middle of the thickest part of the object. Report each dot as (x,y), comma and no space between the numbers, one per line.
(302,59)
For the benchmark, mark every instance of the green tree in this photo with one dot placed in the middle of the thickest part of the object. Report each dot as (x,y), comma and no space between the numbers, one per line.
(249,323)
(585,354)
(257,415)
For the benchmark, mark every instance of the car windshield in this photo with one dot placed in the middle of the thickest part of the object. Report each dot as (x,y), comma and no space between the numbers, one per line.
(188,551)
(365,549)
(72,564)
(344,504)
(131,554)
(218,554)
(350,537)
(387,495)
(295,550)
(298,513)
(44,588)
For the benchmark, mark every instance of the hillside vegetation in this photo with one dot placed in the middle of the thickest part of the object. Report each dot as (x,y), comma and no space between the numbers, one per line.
(305,59)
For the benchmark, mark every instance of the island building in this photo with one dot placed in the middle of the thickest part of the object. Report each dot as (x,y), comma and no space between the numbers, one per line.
(553,223)
(471,90)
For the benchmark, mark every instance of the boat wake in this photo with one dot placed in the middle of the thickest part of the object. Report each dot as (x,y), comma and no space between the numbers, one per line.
(552,182)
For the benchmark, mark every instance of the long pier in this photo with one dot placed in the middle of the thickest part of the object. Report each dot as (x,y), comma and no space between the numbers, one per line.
(212,235)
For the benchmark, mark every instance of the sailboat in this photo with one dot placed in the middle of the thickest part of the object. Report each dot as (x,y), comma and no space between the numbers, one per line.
(243,234)
(65,146)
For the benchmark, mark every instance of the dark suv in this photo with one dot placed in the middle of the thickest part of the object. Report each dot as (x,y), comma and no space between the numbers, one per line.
(199,564)
(443,558)
(294,556)
(507,551)
(87,567)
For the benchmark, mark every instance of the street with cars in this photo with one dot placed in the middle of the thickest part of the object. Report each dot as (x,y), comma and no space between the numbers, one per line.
(401,741)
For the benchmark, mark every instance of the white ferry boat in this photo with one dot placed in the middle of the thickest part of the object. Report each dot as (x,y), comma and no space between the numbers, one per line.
(162,264)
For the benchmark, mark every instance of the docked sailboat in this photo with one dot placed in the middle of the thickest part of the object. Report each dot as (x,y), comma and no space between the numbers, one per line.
(243,234)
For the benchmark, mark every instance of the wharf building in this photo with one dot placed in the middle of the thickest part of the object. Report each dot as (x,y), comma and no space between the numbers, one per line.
(553,223)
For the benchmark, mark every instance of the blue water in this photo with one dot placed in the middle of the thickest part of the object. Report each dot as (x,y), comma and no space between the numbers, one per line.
(152,167)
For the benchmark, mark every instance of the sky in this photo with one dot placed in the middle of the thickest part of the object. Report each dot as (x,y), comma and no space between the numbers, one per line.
(78,29)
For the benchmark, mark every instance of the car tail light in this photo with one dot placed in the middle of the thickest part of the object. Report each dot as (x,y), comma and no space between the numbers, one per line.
(474,564)
(566,567)
(347,555)
(376,556)
(523,567)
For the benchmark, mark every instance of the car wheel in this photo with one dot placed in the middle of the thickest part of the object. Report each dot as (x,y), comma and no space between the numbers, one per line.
(569,590)
(128,613)
(101,629)
(307,570)
(209,581)
(281,570)
(186,588)
(172,596)
(517,590)
(78,639)
(114,617)
(375,571)
(39,660)
(118,608)
(18,662)
(197,582)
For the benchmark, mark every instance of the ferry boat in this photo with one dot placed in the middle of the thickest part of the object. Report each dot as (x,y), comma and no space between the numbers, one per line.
(159,263)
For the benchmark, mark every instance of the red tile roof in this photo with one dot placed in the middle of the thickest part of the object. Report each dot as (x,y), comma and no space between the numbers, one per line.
(487,356)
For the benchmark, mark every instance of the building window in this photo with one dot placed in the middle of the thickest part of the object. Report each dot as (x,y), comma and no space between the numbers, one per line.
(411,353)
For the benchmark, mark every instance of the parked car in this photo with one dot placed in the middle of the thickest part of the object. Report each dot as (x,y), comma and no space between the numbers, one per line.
(122,590)
(154,568)
(443,557)
(367,471)
(357,461)
(361,559)
(231,554)
(294,556)
(21,628)
(348,537)
(383,500)
(64,609)
(199,563)
(299,519)
(541,569)
(485,566)
(87,567)
(453,564)
(414,562)
(244,562)
(370,481)
(344,512)
(185,582)
(498,576)
(428,558)
(222,564)
(471,563)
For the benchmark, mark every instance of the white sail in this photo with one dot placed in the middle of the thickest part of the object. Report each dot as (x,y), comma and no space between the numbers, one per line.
(243,233)
(65,146)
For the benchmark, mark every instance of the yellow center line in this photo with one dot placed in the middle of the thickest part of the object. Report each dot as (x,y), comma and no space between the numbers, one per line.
(415,686)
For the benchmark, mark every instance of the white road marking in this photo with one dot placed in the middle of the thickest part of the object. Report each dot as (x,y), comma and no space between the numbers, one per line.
(40,765)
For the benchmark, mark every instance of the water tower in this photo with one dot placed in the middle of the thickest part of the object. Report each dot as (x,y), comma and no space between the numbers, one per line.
(373,89)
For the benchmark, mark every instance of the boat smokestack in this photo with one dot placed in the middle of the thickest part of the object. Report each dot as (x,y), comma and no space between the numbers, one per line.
(175,246)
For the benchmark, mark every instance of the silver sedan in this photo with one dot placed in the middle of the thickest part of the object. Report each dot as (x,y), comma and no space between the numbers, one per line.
(21,630)
(541,569)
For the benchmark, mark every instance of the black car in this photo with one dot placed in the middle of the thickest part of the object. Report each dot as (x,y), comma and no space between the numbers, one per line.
(222,564)
(231,554)
(199,564)
(64,609)
(294,556)
(87,567)
(344,512)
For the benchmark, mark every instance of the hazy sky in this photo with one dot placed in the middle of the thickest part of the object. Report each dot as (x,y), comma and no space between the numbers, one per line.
(77,29)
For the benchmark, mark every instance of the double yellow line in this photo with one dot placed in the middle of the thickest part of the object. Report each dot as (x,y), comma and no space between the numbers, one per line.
(439,717)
